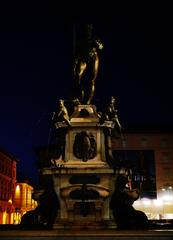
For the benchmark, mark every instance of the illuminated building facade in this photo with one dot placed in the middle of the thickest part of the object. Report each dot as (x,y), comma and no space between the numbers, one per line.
(23,201)
(150,157)
(7,187)
(15,198)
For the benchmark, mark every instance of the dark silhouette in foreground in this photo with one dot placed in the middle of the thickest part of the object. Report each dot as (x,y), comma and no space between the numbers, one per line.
(43,217)
(126,217)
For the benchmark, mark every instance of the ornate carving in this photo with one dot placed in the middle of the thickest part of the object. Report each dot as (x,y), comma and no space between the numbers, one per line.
(84,179)
(84,146)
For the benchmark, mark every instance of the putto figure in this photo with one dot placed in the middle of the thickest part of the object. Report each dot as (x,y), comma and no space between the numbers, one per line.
(59,117)
(62,114)
(111,114)
(86,65)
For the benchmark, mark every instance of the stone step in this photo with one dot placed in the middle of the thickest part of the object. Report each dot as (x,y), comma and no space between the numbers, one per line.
(86,234)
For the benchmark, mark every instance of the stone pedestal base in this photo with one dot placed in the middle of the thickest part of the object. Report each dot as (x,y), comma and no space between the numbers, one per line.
(84,196)
(82,178)
(90,225)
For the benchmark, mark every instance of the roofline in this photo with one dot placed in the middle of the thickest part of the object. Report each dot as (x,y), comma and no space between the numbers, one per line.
(149,128)
(12,157)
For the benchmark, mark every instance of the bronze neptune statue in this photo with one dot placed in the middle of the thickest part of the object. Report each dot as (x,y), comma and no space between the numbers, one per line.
(86,65)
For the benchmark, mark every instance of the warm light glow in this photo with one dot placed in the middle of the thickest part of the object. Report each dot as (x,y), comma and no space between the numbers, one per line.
(17,189)
(17,218)
(167,197)
(12,218)
(146,201)
(160,208)
(157,202)
(10,201)
(4,217)
(169,203)
(17,192)
(169,216)
(137,203)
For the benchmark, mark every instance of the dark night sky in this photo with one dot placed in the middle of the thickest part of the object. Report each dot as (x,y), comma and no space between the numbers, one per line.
(36,52)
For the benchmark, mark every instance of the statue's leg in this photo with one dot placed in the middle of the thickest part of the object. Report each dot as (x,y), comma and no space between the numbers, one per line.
(80,69)
(95,65)
(92,91)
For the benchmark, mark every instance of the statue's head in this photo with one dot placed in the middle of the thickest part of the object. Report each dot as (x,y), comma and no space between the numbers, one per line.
(61,102)
(122,180)
(89,28)
(98,44)
(112,100)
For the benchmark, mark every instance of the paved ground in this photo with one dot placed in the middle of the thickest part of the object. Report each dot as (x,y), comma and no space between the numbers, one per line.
(86,234)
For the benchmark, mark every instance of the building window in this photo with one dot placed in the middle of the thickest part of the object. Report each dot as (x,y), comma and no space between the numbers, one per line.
(167,173)
(144,142)
(124,142)
(141,163)
(164,143)
(166,157)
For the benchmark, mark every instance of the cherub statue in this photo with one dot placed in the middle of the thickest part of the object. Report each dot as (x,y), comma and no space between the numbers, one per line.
(62,114)
(111,114)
